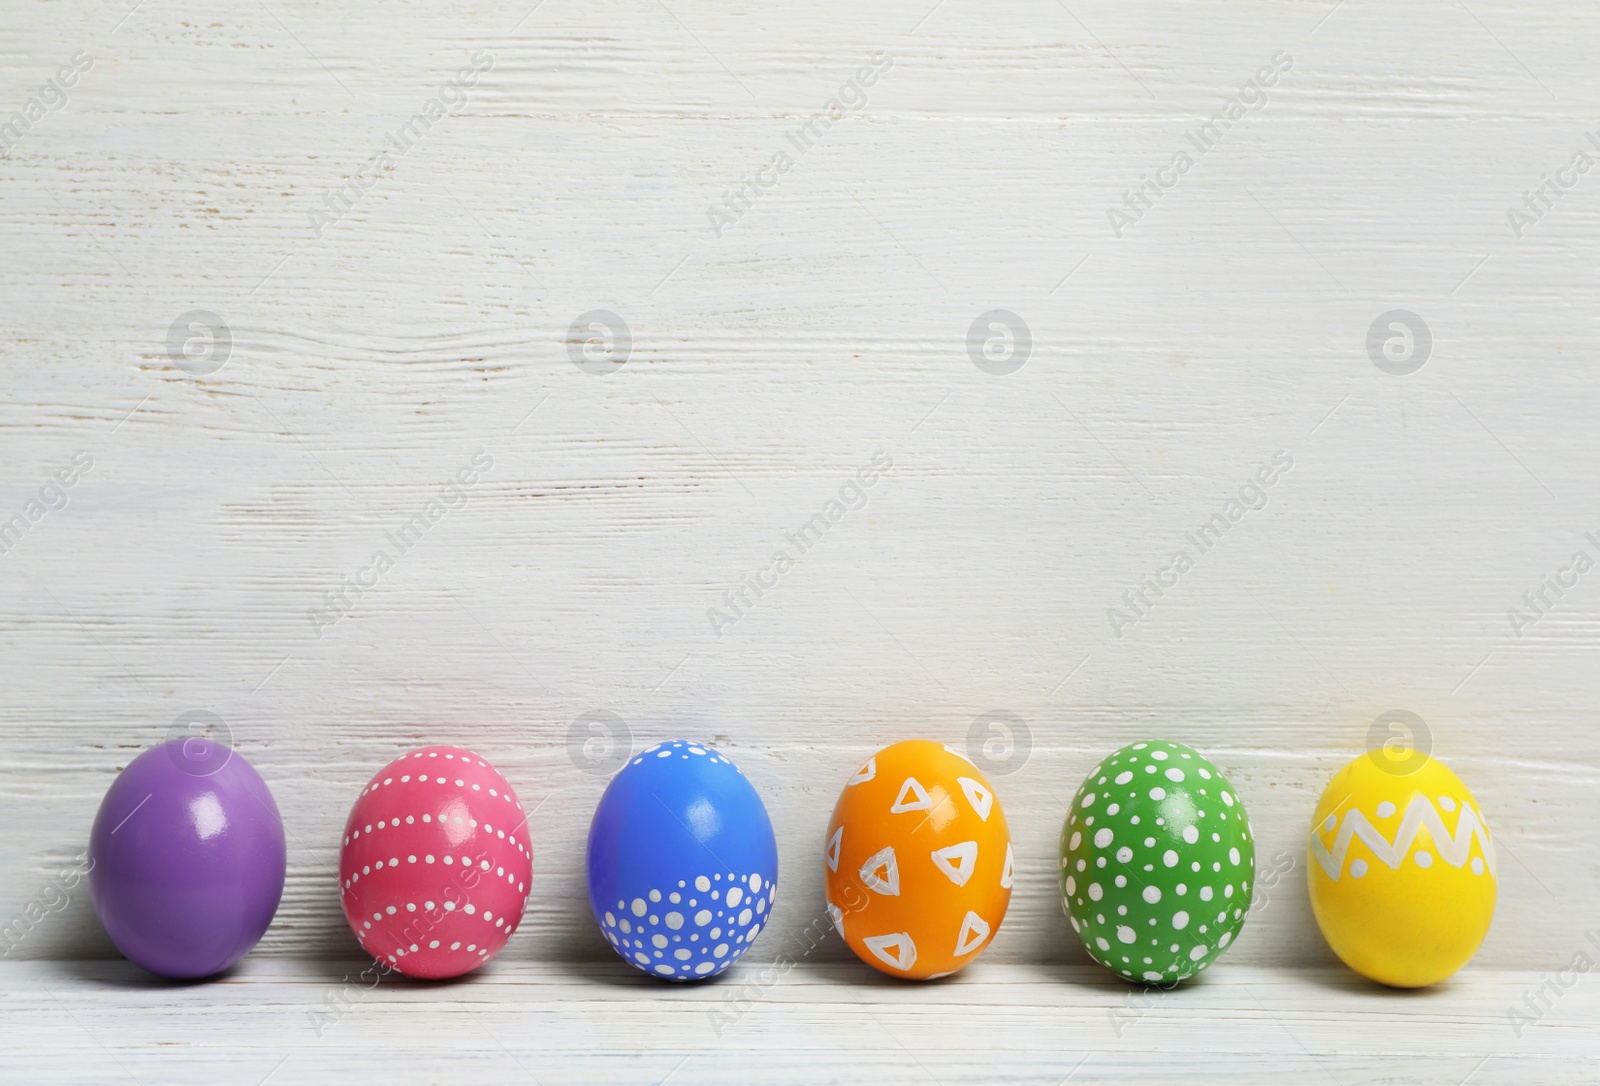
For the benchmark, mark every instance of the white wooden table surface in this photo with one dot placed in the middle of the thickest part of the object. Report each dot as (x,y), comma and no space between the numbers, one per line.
(354,351)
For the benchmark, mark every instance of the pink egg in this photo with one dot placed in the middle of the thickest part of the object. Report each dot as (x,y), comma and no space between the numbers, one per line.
(435,865)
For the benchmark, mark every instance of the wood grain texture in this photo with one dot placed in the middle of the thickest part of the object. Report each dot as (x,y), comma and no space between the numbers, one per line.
(428,324)
(604,1023)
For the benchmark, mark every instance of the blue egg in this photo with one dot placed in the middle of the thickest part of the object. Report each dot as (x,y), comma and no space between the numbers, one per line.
(683,865)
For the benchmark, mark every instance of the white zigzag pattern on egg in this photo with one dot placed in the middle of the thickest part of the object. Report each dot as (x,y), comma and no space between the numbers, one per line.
(1420,813)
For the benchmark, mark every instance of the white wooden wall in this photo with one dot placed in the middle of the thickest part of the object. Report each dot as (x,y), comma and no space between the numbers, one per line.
(428,325)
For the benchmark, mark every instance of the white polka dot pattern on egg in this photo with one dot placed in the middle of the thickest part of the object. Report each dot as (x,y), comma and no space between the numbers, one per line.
(679,946)
(701,922)
(1149,836)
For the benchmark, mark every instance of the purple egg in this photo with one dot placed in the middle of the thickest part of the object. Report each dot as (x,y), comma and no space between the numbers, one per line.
(187,859)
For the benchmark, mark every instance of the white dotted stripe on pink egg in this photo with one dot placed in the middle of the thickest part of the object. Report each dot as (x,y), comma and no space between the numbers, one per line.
(388,849)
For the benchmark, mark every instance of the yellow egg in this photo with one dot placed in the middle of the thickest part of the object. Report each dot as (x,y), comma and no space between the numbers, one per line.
(1401,869)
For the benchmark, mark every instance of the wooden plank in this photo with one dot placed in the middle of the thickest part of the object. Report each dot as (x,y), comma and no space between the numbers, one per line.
(771,362)
(562,1023)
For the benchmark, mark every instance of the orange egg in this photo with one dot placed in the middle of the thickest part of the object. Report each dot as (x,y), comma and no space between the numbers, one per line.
(917,861)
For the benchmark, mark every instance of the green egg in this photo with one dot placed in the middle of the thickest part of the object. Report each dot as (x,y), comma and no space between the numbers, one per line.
(1157,863)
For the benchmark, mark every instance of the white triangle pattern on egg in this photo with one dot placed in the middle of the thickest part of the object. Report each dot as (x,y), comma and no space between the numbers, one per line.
(980,797)
(974,930)
(896,950)
(911,787)
(887,883)
(957,861)
(959,754)
(831,855)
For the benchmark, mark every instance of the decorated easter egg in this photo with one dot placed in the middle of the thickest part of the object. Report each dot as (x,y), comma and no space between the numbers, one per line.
(187,858)
(1401,869)
(683,864)
(435,863)
(917,861)
(1157,863)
